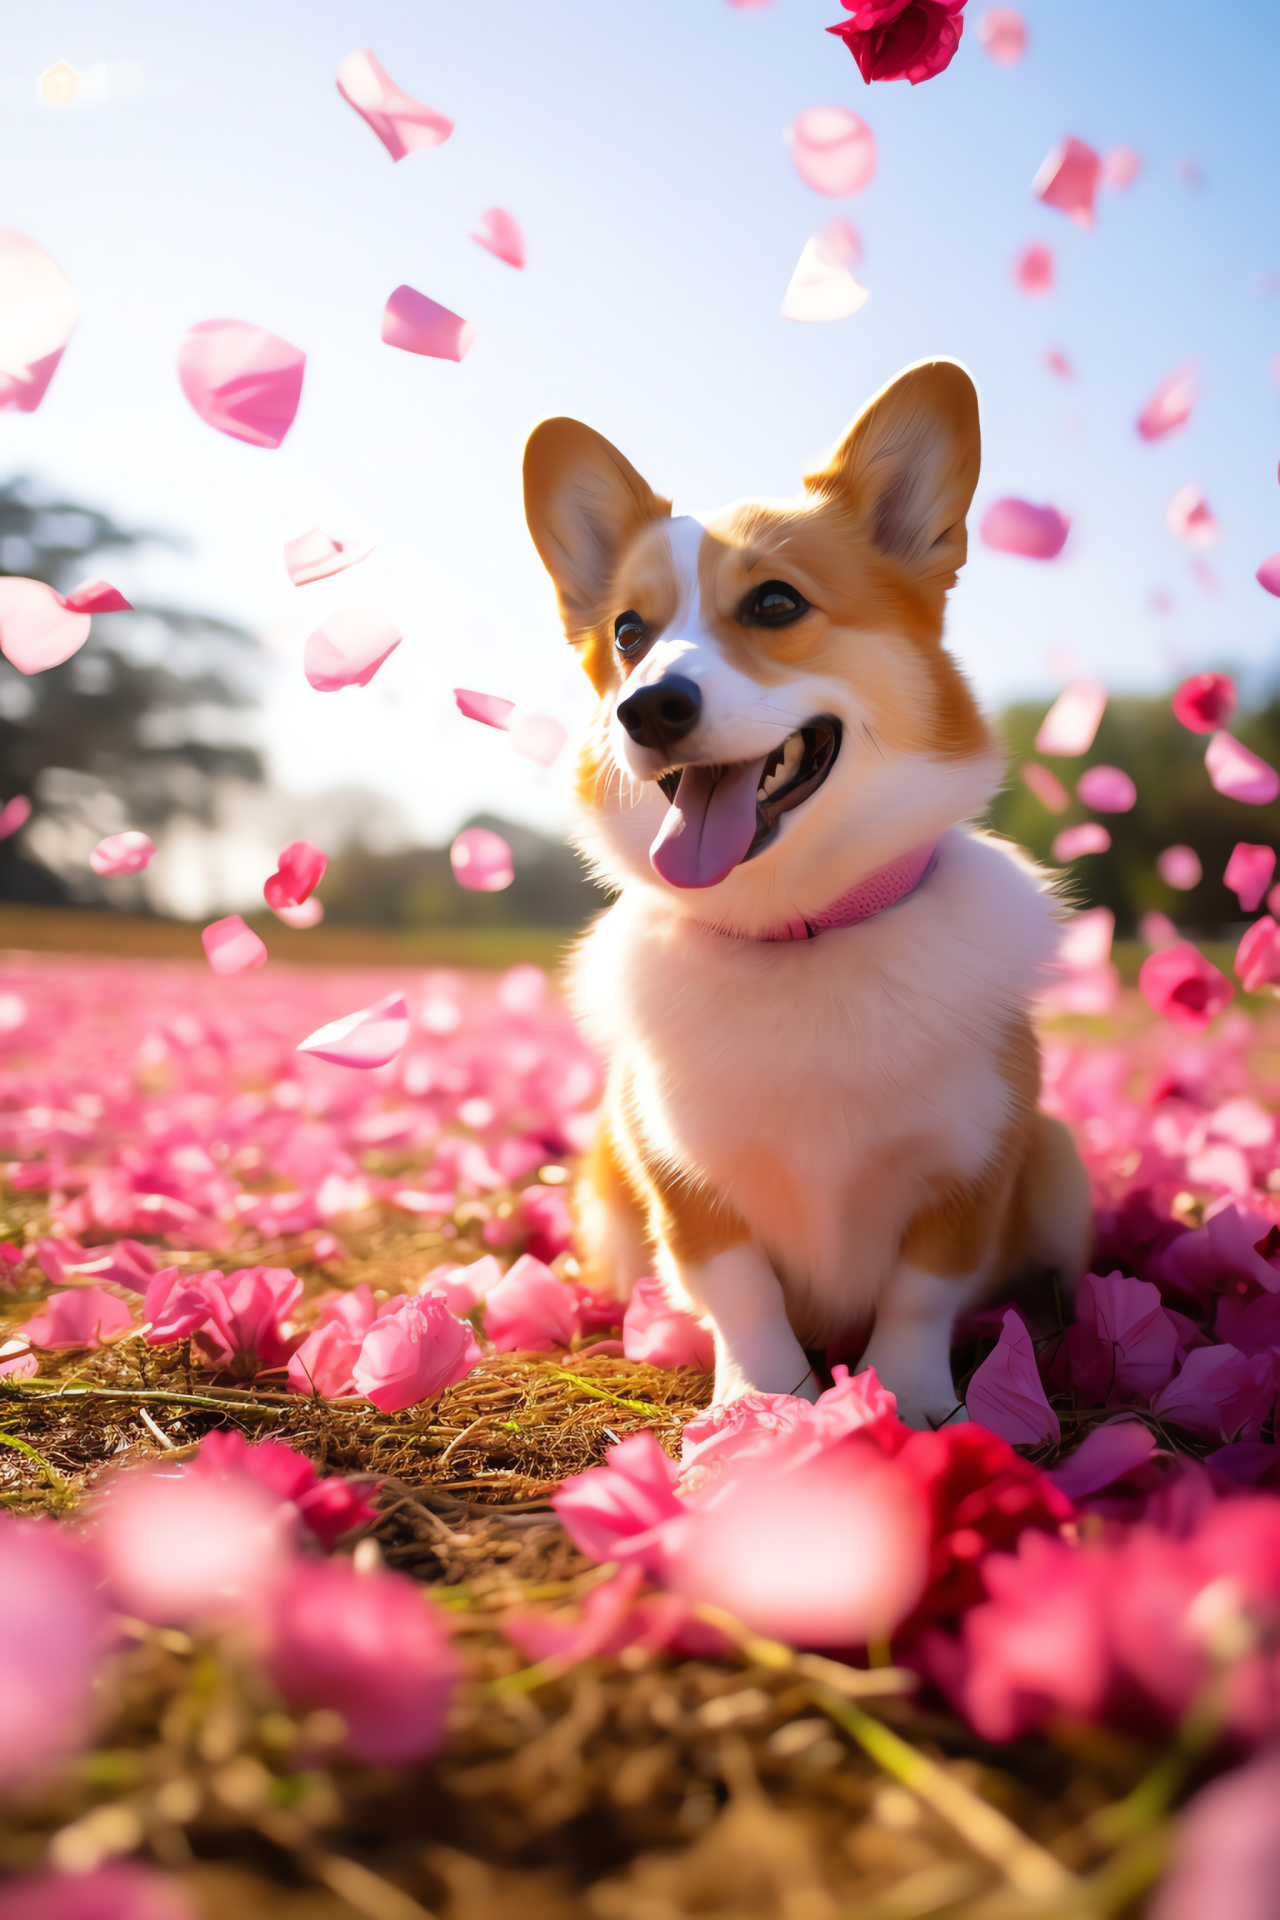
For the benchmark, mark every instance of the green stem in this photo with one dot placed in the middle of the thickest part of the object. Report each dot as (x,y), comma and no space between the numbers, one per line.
(615,1399)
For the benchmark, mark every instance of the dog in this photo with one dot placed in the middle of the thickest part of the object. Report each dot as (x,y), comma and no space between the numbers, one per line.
(813,989)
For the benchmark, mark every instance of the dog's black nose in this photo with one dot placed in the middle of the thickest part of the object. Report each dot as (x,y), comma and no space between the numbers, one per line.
(659,715)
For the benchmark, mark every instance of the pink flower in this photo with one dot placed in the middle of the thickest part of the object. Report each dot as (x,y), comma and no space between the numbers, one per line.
(901,39)
(173,1307)
(665,1336)
(53,1630)
(1221,1393)
(325,1362)
(1248,874)
(1215,1257)
(1005,1393)
(413,1354)
(330,1507)
(1123,1346)
(1226,1848)
(1257,960)
(617,1511)
(530,1311)
(121,1890)
(246,1312)
(1180,984)
(369,1647)
(82,1317)
(178,1546)
(299,871)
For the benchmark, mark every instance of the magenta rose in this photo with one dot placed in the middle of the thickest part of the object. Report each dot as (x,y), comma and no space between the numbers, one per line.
(901,39)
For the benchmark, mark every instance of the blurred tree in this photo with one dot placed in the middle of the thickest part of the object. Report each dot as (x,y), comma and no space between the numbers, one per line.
(139,725)
(416,887)
(1176,806)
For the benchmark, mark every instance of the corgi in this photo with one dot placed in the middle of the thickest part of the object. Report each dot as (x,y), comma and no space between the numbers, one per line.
(813,989)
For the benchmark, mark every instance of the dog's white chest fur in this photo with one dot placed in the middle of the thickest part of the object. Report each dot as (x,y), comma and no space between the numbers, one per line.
(820,1087)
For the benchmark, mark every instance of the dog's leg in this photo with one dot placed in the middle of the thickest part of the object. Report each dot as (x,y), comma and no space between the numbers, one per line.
(910,1348)
(738,1291)
(614,1250)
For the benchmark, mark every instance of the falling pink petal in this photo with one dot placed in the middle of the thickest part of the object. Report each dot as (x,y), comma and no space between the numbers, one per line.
(821,289)
(1170,404)
(499,235)
(1120,168)
(1005,1394)
(490,709)
(299,871)
(1239,774)
(539,737)
(1179,867)
(1205,702)
(1058,363)
(1068,180)
(1015,526)
(38,311)
(123,853)
(401,123)
(839,243)
(1088,837)
(314,556)
(1072,721)
(417,325)
(1107,790)
(1156,929)
(481,861)
(14,813)
(1034,268)
(369,1038)
(96,596)
(242,380)
(834,150)
(1249,872)
(309,914)
(1189,518)
(349,648)
(1268,574)
(1046,786)
(1003,34)
(1205,574)
(36,630)
(1184,987)
(231,946)
(1257,961)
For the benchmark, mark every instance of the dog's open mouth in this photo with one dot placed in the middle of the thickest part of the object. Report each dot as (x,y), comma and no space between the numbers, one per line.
(722,815)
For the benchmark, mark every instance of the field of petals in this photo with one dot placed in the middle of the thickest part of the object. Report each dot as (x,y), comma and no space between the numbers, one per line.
(357,1558)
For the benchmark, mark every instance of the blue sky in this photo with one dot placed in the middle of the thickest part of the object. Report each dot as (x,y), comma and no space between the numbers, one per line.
(642,148)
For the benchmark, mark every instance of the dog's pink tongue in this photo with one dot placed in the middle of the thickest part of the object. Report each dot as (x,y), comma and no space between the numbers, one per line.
(709,825)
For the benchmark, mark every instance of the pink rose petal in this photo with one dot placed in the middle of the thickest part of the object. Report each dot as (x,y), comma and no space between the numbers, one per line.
(1072,721)
(1189,518)
(1257,961)
(402,124)
(1103,1457)
(1170,405)
(1046,786)
(349,648)
(369,1038)
(834,150)
(481,861)
(1248,873)
(299,871)
(1003,34)
(416,324)
(96,596)
(1011,525)
(664,1335)
(1058,363)
(529,1310)
(412,1354)
(839,243)
(314,556)
(1089,837)
(242,380)
(1005,1393)
(490,709)
(1180,867)
(1239,774)
(1120,168)
(14,813)
(1107,790)
(1068,180)
(309,914)
(1268,574)
(36,630)
(539,737)
(123,853)
(1205,702)
(499,234)
(232,947)
(1156,929)
(1182,986)
(38,311)
(1034,268)
(821,289)
(81,1317)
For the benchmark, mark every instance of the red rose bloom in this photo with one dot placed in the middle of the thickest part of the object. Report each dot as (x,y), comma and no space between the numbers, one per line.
(901,39)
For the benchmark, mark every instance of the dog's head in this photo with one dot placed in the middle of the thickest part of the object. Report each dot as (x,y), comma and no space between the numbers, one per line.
(777,716)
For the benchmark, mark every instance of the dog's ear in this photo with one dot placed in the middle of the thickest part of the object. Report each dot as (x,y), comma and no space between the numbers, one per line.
(583,501)
(908,466)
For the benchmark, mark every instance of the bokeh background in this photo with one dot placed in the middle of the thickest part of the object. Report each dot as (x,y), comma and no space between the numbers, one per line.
(207,167)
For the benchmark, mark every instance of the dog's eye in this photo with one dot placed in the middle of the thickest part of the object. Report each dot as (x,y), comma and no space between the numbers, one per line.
(775,604)
(628,631)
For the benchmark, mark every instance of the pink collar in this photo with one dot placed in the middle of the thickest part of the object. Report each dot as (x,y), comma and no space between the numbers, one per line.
(879,890)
